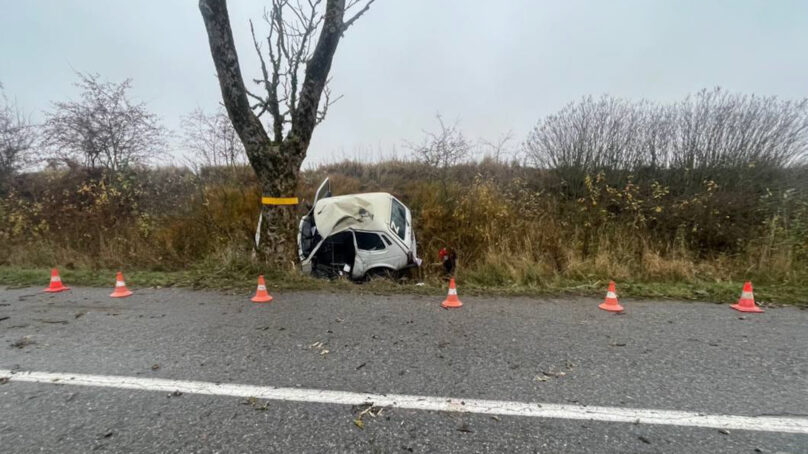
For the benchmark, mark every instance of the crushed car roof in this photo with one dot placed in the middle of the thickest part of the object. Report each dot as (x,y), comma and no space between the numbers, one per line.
(369,211)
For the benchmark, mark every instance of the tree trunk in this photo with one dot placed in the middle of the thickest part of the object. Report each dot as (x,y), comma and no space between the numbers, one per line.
(280,222)
(278,240)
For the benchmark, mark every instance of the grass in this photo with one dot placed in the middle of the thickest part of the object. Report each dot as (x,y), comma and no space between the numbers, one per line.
(516,231)
(226,279)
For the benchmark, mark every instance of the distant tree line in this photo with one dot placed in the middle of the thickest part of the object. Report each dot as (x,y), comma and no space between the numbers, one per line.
(105,129)
(728,138)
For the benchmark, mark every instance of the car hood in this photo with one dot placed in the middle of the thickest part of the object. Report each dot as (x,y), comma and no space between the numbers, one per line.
(369,211)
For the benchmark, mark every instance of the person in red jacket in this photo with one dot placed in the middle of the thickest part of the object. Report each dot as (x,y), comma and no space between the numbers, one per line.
(449,260)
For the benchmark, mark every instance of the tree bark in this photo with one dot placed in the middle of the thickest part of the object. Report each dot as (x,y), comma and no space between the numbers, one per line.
(276,163)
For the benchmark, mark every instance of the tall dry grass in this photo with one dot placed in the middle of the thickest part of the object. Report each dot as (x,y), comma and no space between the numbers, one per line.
(509,224)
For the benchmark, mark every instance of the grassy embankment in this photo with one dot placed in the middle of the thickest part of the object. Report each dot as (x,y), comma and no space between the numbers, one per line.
(517,230)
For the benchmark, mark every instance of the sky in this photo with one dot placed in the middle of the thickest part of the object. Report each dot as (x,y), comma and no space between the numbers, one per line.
(494,67)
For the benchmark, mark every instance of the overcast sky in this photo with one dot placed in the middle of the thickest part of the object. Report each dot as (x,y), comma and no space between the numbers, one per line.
(493,65)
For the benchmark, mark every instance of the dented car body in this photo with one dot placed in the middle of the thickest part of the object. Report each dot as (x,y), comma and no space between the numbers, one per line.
(358,235)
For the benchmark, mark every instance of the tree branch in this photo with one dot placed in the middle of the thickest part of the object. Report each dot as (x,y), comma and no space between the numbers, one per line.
(271,103)
(356,16)
(304,118)
(234,94)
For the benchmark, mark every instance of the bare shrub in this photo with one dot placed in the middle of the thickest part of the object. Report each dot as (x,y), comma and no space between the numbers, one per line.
(734,138)
(17,138)
(727,138)
(443,148)
(498,150)
(104,128)
(212,139)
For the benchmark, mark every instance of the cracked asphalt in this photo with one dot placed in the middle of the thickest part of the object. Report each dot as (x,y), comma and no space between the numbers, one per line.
(658,355)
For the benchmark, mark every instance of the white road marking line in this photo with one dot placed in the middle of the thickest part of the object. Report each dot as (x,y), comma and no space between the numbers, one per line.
(411,402)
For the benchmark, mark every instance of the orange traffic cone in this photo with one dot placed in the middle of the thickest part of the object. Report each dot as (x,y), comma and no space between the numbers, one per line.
(610,303)
(120,287)
(451,301)
(747,301)
(55,283)
(261,293)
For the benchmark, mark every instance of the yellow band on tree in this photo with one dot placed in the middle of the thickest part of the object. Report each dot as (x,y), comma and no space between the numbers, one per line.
(279,200)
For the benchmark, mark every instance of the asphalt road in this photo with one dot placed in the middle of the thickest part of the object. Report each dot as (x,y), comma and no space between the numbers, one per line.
(659,355)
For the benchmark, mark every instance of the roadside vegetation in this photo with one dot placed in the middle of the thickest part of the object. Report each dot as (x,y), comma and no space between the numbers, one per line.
(685,200)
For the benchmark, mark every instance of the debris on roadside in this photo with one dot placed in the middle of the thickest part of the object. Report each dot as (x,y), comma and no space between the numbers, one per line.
(4,380)
(554,372)
(155,366)
(320,347)
(644,440)
(256,404)
(52,322)
(723,431)
(365,409)
(464,428)
(79,314)
(176,393)
(550,373)
(22,342)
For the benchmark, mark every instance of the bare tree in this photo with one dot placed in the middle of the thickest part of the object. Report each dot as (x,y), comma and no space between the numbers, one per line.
(16,140)
(103,128)
(443,148)
(212,139)
(498,150)
(301,43)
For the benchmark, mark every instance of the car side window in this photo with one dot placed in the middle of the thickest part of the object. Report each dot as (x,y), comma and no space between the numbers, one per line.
(398,219)
(369,241)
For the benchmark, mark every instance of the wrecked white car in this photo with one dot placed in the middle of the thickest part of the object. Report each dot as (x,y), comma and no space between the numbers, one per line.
(359,235)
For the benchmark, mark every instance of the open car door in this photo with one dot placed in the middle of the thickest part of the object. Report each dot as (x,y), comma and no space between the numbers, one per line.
(307,237)
(324,191)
